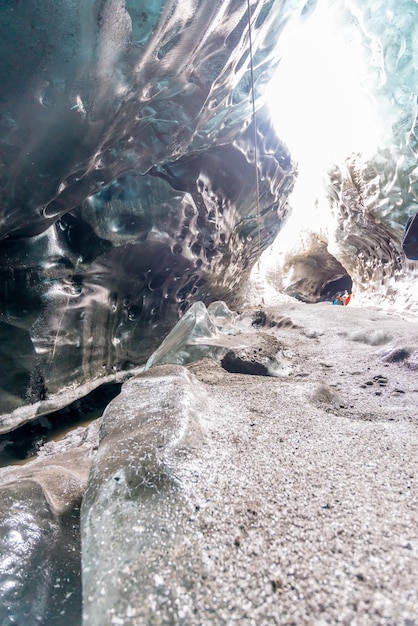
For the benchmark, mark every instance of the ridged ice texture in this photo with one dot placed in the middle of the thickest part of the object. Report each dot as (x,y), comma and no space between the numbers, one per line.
(387,30)
(127,185)
(92,90)
(370,201)
(127,179)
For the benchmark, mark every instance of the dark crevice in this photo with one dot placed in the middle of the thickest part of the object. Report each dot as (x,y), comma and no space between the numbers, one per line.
(334,287)
(24,442)
(235,365)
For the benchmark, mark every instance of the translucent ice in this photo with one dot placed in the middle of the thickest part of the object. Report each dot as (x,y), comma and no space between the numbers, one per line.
(198,334)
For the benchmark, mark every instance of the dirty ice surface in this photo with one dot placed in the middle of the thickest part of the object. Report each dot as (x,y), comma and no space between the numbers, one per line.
(225,336)
(220,498)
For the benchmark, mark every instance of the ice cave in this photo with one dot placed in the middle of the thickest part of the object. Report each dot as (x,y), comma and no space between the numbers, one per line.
(191,432)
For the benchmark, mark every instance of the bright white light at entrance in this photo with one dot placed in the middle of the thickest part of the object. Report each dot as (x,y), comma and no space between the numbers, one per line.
(327,103)
(319,98)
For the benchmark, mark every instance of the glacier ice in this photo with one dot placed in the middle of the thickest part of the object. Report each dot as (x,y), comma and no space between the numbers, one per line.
(197,335)
(128,204)
(128,180)
(225,337)
(143,478)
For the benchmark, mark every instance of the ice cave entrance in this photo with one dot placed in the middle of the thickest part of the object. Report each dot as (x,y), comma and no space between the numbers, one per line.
(323,103)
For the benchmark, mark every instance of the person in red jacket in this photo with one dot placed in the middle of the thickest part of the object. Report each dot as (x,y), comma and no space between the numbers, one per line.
(346,297)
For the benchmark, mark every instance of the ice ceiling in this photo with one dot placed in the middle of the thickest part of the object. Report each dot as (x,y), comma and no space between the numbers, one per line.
(130,159)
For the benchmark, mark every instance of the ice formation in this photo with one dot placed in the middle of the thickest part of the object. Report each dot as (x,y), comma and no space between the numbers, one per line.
(127,147)
(137,188)
(128,186)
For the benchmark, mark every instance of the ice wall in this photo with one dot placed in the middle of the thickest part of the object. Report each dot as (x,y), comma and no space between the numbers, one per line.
(127,154)
(128,178)
(358,134)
